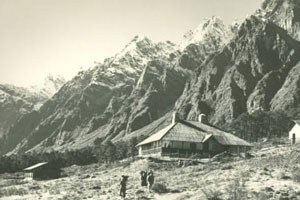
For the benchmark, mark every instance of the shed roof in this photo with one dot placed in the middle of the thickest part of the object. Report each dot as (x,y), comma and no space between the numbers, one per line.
(35,166)
(193,131)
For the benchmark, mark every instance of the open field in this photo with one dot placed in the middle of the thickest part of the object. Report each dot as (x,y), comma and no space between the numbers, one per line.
(274,173)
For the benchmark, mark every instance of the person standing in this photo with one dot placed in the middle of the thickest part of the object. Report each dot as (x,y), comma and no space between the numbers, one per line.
(143,178)
(150,179)
(123,184)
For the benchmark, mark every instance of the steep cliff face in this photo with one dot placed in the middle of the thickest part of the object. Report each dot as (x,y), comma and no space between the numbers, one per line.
(17,101)
(155,93)
(288,97)
(206,39)
(245,76)
(285,13)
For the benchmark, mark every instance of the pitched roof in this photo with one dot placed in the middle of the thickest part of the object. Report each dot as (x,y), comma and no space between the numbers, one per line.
(207,137)
(221,136)
(35,166)
(297,121)
(193,131)
(157,136)
(181,132)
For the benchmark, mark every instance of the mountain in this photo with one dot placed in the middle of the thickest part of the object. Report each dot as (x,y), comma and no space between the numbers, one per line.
(17,101)
(120,95)
(250,73)
(212,33)
(206,39)
(284,13)
(223,71)
(49,87)
(124,93)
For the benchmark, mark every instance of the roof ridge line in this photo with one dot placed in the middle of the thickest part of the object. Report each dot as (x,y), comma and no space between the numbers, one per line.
(193,126)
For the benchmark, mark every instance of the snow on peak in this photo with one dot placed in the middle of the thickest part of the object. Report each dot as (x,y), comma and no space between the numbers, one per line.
(138,46)
(53,83)
(50,85)
(54,78)
(210,27)
(136,54)
(143,47)
(140,38)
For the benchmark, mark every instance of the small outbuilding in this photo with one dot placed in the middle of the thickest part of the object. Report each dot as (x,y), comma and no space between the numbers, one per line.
(41,171)
(294,134)
(183,138)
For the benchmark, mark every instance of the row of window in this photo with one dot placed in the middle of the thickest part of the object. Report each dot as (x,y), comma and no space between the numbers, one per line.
(173,144)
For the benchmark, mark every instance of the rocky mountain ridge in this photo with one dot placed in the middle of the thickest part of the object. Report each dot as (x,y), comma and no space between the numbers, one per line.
(212,31)
(51,84)
(17,101)
(109,100)
(206,39)
(284,13)
(247,75)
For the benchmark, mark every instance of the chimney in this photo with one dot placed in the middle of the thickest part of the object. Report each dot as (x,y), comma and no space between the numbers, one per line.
(202,118)
(174,118)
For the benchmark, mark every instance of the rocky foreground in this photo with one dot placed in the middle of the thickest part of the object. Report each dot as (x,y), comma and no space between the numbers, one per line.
(273,173)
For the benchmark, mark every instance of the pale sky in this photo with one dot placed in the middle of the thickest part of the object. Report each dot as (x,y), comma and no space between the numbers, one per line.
(38,37)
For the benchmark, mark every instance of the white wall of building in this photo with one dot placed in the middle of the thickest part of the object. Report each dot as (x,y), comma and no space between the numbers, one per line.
(295,130)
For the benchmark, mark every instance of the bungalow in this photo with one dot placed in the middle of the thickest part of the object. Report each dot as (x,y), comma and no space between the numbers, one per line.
(184,137)
(42,171)
(294,134)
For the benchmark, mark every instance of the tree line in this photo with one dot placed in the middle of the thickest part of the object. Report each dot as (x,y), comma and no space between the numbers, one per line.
(101,152)
(260,124)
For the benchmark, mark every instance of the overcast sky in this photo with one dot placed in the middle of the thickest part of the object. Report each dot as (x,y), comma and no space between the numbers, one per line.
(38,37)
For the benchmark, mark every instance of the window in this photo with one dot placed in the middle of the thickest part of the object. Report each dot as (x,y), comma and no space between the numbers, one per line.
(193,146)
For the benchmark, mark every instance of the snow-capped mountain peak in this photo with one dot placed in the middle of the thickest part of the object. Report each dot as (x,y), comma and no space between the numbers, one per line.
(53,83)
(139,46)
(132,59)
(210,27)
(50,85)
(136,43)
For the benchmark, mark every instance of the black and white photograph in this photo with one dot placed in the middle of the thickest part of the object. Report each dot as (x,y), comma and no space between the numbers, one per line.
(149,99)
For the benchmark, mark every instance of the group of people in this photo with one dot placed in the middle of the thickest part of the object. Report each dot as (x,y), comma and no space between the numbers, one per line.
(147,179)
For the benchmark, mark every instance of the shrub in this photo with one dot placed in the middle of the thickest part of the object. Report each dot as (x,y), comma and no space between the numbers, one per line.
(11,191)
(160,188)
(236,190)
(212,193)
(296,174)
(261,196)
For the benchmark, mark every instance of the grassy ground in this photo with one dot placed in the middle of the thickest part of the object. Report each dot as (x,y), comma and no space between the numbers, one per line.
(274,173)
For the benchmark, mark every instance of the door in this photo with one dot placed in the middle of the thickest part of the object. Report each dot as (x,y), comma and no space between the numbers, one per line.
(294,138)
